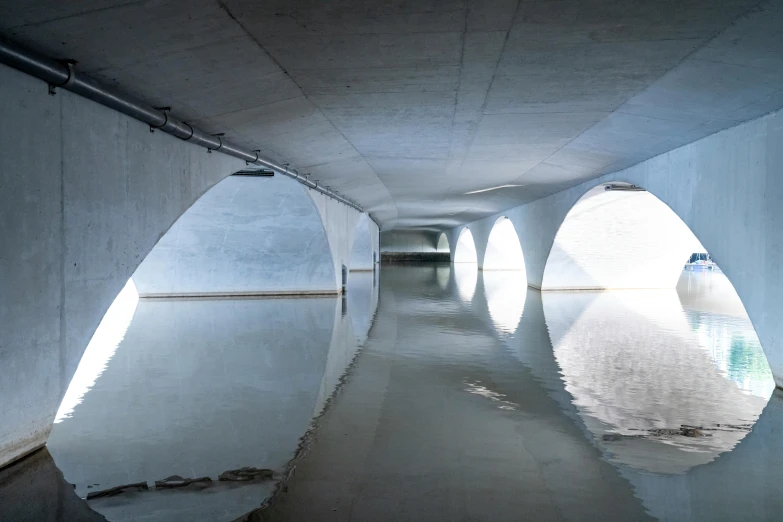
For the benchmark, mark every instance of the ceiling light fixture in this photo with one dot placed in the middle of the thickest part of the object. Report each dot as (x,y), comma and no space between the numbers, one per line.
(492,188)
(628,188)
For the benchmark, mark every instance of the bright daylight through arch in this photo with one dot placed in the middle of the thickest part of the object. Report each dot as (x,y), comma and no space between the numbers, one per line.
(466,248)
(443,243)
(614,239)
(646,314)
(503,249)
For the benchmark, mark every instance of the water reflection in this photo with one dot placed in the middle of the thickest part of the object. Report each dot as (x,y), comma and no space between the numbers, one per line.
(505,293)
(217,392)
(455,408)
(465,276)
(646,376)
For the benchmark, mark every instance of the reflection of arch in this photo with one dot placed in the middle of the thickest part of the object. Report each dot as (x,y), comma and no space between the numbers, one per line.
(506,293)
(443,243)
(465,252)
(465,277)
(634,365)
(361,251)
(247,235)
(618,239)
(503,249)
(273,357)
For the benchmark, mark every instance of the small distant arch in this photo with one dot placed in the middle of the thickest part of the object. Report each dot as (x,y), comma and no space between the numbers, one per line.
(503,249)
(465,251)
(443,243)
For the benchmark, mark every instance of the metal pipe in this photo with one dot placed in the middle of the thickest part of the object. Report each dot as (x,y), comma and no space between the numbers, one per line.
(64,75)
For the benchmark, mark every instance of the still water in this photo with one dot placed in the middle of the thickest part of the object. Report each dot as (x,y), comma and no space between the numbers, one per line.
(441,393)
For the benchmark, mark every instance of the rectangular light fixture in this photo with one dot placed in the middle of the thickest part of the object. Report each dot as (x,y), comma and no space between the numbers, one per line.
(254,172)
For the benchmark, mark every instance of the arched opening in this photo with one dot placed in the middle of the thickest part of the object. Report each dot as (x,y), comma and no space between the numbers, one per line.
(662,362)
(247,235)
(185,359)
(443,243)
(614,239)
(503,249)
(362,254)
(465,252)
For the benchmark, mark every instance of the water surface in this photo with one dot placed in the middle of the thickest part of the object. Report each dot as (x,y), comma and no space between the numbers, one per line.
(465,396)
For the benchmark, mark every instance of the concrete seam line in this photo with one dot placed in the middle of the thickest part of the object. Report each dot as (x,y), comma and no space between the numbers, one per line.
(240,295)
(64,75)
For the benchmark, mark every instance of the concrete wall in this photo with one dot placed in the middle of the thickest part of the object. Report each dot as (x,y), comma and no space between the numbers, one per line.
(409,241)
(86,193)
(363,245)
(340,223)
(726,188)
(246,235)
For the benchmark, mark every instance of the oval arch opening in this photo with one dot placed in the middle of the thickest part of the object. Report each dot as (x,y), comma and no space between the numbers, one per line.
(624,302)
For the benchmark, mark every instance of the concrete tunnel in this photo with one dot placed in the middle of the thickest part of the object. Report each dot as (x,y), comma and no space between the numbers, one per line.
(288,150)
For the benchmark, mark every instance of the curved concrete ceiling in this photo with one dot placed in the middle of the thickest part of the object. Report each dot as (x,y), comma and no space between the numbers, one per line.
(407,106)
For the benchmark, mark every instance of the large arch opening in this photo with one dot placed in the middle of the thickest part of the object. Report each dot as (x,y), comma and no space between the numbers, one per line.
(653,343)
(618,238)
(465,251)
(183,359)
(443,243)
(249,235)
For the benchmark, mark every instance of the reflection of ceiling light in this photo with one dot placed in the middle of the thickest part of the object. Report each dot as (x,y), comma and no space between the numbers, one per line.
(492,188)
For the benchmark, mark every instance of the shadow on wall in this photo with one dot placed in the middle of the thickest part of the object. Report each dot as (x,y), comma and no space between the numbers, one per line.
(618,238)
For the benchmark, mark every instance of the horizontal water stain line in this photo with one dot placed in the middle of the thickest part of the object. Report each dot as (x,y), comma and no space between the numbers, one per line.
(260,294)
(603,288)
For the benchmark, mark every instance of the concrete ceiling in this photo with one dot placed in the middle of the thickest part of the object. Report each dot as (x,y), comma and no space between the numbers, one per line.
(405,106)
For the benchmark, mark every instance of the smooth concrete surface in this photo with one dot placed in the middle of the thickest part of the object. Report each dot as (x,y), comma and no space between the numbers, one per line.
(364,252)
(725,188)
(86,194)
(406,109)
(341,224)
(408,241)
(618,240)
(246,234)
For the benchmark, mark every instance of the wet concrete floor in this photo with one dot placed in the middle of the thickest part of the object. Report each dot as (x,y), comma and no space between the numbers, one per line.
(467,397)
